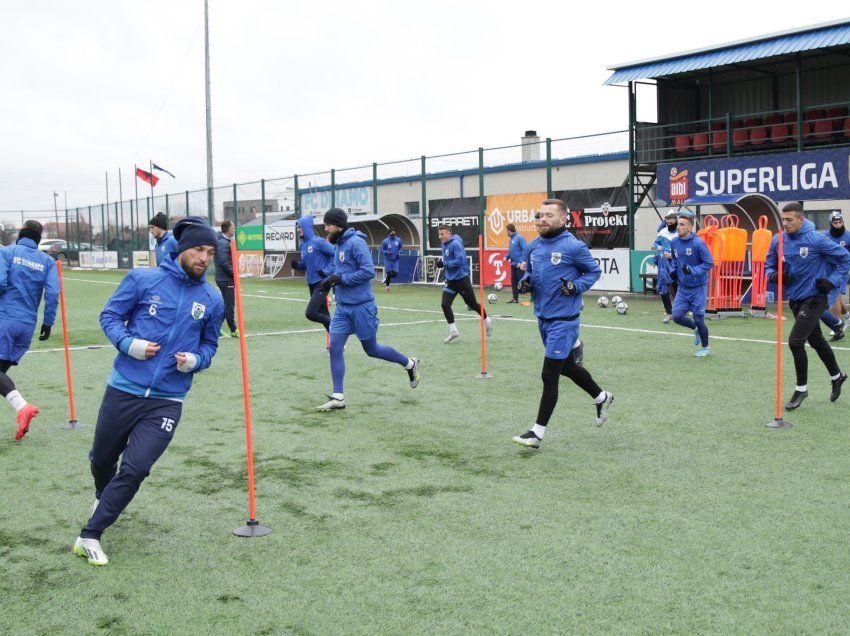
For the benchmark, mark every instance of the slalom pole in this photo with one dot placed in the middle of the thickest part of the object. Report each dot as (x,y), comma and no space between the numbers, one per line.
(483,375)
(777,421)
(253,527)
(72,423)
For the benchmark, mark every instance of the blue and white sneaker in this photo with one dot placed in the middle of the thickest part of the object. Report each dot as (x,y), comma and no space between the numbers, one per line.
(703,352)
(91,550)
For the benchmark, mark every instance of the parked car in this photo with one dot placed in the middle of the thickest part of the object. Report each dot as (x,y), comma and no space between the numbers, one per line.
(46,244)
(61,251)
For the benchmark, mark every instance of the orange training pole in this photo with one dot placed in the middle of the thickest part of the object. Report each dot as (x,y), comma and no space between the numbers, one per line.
(483,375)
(778,422)
(253,528)
(72,423)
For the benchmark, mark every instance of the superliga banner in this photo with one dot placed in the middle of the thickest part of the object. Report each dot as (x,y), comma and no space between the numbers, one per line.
(788,176)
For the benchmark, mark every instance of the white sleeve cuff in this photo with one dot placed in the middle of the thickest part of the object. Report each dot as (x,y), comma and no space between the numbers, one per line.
(138,348)
(190,364)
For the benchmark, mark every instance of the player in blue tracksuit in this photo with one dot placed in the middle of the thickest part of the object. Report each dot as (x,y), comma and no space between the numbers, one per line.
(836,311)
(317,257)
(559,269)
(356,311)
(391,249)
(813,267)
(664,284)
(457,281)
(516,256)
(690,263)
(165,324)
(166,244)
(25,275)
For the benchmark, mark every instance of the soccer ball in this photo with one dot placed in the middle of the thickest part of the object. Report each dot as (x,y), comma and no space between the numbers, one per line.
(622,308)
(492,298)
(498,286)
(616,300)
(603,301)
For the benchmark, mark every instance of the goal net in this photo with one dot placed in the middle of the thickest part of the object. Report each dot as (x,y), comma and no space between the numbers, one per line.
(272,264)
(426,271)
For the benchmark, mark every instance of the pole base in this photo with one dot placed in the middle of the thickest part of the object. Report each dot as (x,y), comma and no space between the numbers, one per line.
(483,376)
(253,529)
(73,424)
(778,422)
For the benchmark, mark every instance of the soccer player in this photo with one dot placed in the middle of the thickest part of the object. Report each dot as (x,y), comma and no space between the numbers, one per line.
(391,248)
(356,311)
(26,274)
(317,257)
(690,263)
(559,269)
(165,324)
(224,276)
(515,255)
(165,241)
(664,284)
(836,313)
(813,266)
(457,281)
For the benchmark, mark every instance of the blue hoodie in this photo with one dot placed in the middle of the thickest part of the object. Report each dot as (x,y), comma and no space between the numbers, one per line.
(454,258)
(664,243)
(353,262)
(551,259)
(807,256)
(165,246)
(165,306)
(26,272)
(516,249)
(317,254)
(693,252)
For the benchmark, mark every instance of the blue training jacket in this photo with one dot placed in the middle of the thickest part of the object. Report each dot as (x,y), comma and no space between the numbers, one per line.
(842,240)
(26,272)
(391,248)
(516,249)
(317,255)
(551,259)
(808,255)
(165,306)
(353,262)
(454,258)
(693,252)
(165,246)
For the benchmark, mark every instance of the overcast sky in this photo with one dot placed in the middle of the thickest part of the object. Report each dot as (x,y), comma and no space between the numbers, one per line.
(297,87)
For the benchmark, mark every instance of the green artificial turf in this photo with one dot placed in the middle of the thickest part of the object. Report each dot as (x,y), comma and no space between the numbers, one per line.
(412,512)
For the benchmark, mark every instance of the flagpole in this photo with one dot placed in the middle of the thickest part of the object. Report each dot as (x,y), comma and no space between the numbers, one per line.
(210,199)
(150,172)
(136,187)
(106,226)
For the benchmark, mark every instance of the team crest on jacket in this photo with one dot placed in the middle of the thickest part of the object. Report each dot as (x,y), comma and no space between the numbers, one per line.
(309,249)
(688,251)
(342,257)
(556,258)
(804,252)
(198,310)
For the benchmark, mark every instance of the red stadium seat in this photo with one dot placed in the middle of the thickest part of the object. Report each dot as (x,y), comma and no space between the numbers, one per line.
(836,112)
(758,136)
(790,117)
(823,129)
(814,114)
(740,137)
(752,122)
(700,142)
(773,119)
(807,130)
(682,144)
(718,140)
(779,134)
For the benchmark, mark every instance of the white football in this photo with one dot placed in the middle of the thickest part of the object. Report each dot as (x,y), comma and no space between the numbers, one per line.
(492,298)
(603,301)
(622,308)
(498,286)
(616,300)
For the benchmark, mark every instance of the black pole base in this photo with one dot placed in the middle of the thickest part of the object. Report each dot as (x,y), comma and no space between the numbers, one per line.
(778,422)
(253,529)
(483,376)
(73,424)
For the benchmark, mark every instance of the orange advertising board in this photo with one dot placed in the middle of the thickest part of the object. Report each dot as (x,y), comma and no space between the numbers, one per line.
(518,209)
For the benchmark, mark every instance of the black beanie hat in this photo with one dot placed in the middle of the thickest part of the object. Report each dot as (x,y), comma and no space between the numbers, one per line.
(193,231)
(159,220)
(337,217)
